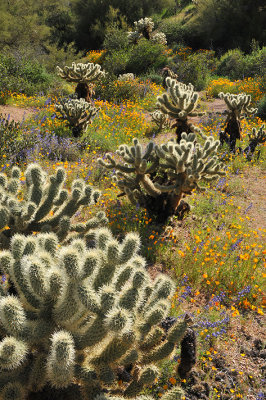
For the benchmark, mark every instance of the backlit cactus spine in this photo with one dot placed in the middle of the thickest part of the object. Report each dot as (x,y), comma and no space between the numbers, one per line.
(78,113)
(238,105)
(82,318)
(43,204)
(84,75)
(179,102)
(159,176)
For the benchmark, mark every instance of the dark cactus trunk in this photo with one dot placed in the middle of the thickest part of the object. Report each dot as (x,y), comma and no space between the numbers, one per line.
(70,393)
(84,91)
(233,129)
(163,206)
(147,33)
(188,353)
(181,126)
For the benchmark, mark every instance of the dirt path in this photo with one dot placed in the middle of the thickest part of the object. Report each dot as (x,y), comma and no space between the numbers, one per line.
(18,114)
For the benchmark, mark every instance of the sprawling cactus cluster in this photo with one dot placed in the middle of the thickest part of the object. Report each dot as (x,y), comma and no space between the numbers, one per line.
(82,74)
(144,28)
(77,112)
(238,106)
(126,77)
(42,204)
(83,318)
(256,137)
(159,176)
(179,102)
(160,119)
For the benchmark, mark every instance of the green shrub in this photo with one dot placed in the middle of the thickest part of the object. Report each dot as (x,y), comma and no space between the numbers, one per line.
(146,55)
(9,132)
(197,68)
(256,62)
(113,90)
(115,62)
(236,65)
(233,64)
(19,74)
(173,29)
(262,108)
(115,39)
(153,76)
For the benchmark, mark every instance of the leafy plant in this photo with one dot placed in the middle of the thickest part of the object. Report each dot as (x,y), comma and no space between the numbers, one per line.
(146,55)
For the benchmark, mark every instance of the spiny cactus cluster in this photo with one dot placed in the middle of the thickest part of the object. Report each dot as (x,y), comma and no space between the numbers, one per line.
(82,74)
(144,28)
(42,204)
(77,112)
(84,318)
(238,106)
(126,77)
(179,102)
(174,394)
(256,137)
(159,37)
(159,176)
(160,119)
(167,72)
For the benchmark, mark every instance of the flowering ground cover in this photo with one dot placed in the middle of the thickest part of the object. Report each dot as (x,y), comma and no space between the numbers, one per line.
(215,253)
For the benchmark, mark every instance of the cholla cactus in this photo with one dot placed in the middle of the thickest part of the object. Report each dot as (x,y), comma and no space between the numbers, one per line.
(179,102)
(82,74)
(256,137)
(167,72)
(160,119)
(237,106)
(78,113)
(43,204)
(159,176)
(82,318)
(134,37)
(126,77)
(145,27)
(159,37)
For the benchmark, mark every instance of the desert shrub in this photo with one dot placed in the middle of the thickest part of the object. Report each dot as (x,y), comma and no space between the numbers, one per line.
(173,29)
(236,65)
(146,55)
(262,108)
(20,74)
(153,76)
(113,90)
(115,62)
(197,68)
(256,62)
(232,64)
(9,132)
(115,39)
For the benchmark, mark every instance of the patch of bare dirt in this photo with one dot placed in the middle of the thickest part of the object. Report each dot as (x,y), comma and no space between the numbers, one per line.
(252,201)
(17,114)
